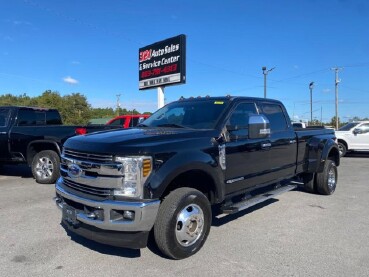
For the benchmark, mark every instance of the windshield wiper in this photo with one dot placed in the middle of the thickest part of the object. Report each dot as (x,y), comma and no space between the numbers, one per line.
(142,125)
(171,125)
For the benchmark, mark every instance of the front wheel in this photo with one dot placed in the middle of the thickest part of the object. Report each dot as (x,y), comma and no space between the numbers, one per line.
(45,167)
(342,148)
(326,181)
(183,223)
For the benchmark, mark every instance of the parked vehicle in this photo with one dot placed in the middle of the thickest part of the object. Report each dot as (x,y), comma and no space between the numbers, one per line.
(299,124)
(35,136)
(166,174)
(353,136)
(128,120)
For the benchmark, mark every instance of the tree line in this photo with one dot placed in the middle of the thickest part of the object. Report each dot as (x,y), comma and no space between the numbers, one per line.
(74,108)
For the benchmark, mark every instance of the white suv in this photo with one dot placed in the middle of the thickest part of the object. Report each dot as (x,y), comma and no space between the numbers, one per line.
(353,136)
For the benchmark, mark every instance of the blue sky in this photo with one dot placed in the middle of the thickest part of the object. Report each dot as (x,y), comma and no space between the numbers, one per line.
(91,47)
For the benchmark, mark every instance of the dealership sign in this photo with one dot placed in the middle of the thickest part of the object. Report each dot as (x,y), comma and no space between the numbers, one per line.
(163,63)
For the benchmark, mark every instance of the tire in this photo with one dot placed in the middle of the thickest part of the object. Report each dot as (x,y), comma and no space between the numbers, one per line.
(309,182)
(342,148)
(45,167)
(326,181)
(183,223)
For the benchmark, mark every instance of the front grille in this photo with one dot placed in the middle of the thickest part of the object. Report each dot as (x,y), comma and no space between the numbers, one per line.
(102,158)
(101,192)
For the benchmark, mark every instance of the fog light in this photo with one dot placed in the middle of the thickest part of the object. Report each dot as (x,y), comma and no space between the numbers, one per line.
(130,215)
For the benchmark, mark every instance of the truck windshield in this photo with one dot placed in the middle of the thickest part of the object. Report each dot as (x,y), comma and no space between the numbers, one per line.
(348,126)
(195,114)
(4,117)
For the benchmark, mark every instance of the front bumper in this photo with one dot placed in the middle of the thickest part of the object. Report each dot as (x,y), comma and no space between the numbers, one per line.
(100,219)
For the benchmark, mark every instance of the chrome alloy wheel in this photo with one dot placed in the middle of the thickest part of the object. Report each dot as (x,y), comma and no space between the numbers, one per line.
(340,149)
(332,179)
(44,168)
(190,225)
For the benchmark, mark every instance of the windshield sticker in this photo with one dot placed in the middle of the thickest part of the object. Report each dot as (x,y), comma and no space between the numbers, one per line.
(219,102)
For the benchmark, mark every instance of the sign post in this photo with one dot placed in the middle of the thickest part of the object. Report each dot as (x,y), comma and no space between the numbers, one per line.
(160,97)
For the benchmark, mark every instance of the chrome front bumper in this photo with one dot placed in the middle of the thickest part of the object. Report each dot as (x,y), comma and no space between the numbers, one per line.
(144,212)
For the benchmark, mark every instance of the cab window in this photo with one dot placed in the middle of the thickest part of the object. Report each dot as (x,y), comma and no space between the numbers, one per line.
(276,116)
(240,117)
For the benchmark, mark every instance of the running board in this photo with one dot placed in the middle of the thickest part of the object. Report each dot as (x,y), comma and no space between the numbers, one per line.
(247,203)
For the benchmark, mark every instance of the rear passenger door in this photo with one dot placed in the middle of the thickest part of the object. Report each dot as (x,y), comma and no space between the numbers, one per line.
(283,145)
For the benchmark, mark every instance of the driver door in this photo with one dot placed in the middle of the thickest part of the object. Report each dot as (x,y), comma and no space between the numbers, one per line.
(245,161)
(360,140)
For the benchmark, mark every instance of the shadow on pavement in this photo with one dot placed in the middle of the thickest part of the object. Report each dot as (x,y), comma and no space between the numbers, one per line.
(357,154)
(102,248)
(20,170)
(223,219)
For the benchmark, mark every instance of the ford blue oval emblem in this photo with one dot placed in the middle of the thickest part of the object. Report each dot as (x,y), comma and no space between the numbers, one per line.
(74,171)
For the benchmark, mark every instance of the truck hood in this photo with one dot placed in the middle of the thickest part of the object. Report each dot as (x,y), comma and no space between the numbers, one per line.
(340,134)
(140,140)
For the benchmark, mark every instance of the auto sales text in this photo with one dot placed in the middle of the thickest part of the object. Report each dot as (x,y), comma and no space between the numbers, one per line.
(163,61)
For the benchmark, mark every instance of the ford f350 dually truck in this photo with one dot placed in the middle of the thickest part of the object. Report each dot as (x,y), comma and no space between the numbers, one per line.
(191,155)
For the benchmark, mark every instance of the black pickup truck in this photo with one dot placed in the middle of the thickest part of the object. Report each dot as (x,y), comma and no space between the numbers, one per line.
(35,136)
(190,159)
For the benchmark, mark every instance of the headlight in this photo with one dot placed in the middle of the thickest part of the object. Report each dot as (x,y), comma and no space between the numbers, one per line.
(136,170)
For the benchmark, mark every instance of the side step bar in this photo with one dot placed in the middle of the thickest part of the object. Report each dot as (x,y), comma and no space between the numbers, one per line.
(247,203)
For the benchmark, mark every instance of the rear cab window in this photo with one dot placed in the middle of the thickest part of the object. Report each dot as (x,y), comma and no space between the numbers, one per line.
(118,122)
(30,117)
(276,116)
(53,118)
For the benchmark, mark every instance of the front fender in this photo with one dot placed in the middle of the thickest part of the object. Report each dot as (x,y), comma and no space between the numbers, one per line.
(180,163)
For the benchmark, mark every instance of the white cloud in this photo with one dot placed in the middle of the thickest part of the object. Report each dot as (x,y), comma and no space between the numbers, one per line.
(75,62)
(296,66)
(326,90)
(70,80)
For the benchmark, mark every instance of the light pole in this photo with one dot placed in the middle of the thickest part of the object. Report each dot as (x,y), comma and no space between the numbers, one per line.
(311,86)
(336,82)
(265,72)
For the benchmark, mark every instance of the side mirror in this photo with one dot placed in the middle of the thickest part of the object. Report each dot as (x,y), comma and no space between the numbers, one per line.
(259,127)
(357,131)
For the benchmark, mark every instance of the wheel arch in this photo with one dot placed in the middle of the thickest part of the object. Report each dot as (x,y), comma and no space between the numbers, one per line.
(344,142)
(41,145)
(196,179)
(330,152)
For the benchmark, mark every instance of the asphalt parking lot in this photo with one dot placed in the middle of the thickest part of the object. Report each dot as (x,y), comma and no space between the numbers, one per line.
(296,234)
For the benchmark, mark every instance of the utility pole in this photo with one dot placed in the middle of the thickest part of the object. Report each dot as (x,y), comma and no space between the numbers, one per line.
(337,81)
(118,104)
(265,72)
(311,86)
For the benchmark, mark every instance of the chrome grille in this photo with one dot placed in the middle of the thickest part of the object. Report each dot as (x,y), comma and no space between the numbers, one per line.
(84,156)
(102,192)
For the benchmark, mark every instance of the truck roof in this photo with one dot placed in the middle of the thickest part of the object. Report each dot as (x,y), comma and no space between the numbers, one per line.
(228,98)
(30,108)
